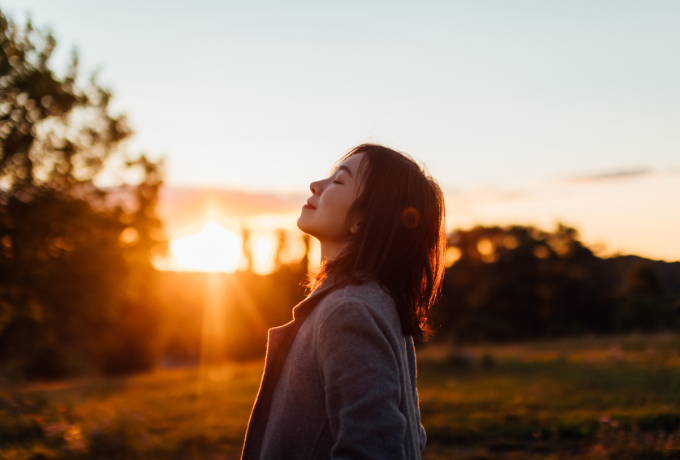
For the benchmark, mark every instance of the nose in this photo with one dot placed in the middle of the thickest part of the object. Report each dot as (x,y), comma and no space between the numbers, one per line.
(315,187)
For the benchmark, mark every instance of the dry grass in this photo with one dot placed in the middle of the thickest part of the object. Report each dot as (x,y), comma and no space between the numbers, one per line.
(592,397)
(575,398)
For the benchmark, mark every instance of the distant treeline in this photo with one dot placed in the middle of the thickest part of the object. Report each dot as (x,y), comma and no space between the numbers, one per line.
(519,282)
(503,284)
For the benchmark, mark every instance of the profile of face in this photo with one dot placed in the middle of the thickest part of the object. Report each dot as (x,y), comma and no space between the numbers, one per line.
(325,214)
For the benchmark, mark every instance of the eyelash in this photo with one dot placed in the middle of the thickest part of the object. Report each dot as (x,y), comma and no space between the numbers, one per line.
(336,182)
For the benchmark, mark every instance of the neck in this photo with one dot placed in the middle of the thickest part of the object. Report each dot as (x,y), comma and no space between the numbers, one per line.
(331,250)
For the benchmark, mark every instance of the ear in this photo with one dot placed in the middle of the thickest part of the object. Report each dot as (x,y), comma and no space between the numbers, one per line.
(355,228)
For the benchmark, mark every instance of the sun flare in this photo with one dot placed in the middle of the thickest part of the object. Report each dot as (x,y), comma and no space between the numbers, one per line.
(212,249)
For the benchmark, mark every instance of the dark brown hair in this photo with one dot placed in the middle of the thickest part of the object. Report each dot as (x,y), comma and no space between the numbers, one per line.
(401,239)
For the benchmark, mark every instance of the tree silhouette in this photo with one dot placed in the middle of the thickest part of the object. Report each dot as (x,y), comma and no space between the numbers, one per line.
(75,266)
(644,305)
(519,282)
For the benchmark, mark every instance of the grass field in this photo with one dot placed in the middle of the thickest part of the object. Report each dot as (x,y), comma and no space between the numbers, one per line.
(575,398)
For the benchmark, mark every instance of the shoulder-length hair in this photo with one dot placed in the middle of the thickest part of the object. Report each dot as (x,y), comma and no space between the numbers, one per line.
(401,240)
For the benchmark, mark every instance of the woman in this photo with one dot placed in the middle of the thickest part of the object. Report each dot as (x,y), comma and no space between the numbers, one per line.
(340,379)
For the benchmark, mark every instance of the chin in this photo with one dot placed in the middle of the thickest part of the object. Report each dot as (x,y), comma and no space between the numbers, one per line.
(301,224)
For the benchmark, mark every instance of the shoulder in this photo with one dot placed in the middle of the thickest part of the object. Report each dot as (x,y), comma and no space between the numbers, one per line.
(360,302)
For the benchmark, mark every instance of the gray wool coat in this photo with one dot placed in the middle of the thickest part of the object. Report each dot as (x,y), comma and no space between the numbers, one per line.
(347,387)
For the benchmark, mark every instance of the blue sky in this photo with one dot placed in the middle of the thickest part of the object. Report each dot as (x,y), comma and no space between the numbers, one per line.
(496,97)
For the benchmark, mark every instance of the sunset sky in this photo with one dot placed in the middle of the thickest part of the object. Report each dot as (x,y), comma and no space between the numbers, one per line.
(527,112)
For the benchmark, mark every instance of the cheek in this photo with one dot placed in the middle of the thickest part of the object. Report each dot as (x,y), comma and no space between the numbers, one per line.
(336,207)
(330,218)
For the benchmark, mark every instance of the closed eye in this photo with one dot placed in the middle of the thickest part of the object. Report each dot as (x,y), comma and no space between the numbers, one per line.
(336,182)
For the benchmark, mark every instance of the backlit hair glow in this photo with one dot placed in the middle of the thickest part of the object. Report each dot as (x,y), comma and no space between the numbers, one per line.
(401,240)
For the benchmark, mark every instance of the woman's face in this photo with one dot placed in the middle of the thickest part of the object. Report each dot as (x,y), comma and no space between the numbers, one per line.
(325,214)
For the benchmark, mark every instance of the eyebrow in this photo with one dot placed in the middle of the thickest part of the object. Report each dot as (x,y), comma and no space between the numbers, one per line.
(345,168)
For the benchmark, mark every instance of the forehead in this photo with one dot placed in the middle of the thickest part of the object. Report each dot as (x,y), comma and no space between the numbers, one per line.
(353,164)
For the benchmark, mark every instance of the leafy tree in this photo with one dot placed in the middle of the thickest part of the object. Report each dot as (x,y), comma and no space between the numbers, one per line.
(644,305)
(75,258)
(519,282)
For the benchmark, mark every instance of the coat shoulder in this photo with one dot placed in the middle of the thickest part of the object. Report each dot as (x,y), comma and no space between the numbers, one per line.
(369,296)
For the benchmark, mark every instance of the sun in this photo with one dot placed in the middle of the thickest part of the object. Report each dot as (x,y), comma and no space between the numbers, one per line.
(212,249)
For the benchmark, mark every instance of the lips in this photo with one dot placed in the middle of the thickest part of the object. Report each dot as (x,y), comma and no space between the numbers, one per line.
(309,205)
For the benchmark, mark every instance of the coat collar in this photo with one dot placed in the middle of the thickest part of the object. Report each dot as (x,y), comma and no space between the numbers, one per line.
(304,308)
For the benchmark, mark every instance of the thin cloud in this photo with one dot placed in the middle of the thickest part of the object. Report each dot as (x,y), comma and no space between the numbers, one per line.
(622,174)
